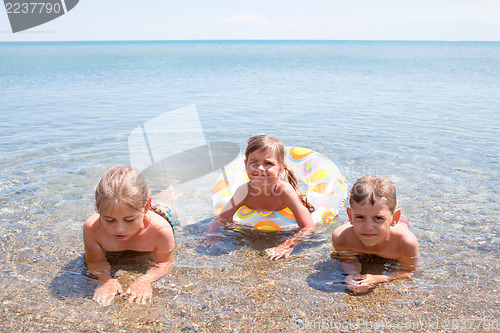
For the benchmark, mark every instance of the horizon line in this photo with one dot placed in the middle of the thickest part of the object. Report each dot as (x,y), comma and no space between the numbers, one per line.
(252,40)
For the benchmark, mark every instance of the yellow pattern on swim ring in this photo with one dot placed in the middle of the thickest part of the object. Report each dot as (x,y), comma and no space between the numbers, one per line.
(320,174)
(298,153)
(267,226)
(326,190)
(245,212)
(327,216)
(265,212)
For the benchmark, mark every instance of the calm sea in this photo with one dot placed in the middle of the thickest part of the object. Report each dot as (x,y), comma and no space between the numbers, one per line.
(426,114)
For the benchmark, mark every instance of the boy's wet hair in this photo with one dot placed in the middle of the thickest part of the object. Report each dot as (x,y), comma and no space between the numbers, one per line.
(267,142)
(372,188)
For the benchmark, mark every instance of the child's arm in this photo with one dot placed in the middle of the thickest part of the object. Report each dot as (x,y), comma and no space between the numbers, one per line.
(368,281)
(232,206)
(342,238)
(141,290)
(408,264)
(362,283)
(304,221)
(285,249)
(352,269)
(226,214)
(107,287)
(98,265)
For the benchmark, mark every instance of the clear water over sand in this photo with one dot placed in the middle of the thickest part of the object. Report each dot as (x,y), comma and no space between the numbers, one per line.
(424,114)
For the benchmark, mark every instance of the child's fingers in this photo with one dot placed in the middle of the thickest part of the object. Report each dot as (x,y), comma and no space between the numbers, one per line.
(363,289)
(103,299)
(352,288)
(131,297)
(139,299)
(143,300)
(106,292)
(274,257)
(276,253)
(351,280)
(287,253)
(107,300)
(272,254)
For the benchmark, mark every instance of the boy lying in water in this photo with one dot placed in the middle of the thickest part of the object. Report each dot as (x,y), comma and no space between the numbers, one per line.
(373,228)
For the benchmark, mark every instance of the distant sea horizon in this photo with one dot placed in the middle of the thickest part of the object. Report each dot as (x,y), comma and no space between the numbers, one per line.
(258,40)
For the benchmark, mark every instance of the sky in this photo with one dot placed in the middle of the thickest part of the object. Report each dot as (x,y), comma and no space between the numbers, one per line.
(441,20)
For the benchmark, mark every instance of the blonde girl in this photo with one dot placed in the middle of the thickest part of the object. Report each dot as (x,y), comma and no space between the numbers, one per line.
(126,220)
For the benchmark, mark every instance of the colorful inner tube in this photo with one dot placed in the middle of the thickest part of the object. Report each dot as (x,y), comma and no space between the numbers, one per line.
(326,190)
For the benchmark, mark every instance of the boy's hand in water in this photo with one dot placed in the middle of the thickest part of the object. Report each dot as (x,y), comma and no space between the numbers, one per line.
(362,283)
(106,291)
(140,290)
(277,252)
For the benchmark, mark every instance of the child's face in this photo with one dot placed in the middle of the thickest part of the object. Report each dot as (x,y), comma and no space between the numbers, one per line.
(371,224)
(122,222)
(263,166)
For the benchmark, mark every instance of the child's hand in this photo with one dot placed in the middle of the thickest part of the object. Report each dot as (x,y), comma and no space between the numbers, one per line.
(210,241)
(140,290)
(361,283)
(105,292)
(277,252)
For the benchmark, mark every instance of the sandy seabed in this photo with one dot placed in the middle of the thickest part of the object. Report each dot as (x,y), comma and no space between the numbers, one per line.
(235,289)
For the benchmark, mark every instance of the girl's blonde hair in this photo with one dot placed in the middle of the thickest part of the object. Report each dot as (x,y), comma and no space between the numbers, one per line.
(124,185)
(267,142)
(373,188)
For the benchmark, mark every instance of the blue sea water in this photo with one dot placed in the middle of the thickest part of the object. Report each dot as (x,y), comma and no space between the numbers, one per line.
(426,114)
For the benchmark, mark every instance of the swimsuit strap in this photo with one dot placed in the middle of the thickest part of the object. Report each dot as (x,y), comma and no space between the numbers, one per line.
(163,211)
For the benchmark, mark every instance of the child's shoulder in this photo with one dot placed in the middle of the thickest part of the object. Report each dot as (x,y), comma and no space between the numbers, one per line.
(91,234)
(407,241)
(91,221)
(404,232)
(343,235)
(159,223)
(242,192)
(161,233)
(286,187)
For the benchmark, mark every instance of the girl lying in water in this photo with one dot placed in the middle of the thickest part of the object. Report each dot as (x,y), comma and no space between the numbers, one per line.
(272,187)
(126,220)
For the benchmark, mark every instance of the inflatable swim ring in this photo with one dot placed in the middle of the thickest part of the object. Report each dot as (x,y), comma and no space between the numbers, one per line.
(326,190)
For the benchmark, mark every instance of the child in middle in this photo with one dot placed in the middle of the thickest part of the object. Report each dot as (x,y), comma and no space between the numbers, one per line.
(272,187)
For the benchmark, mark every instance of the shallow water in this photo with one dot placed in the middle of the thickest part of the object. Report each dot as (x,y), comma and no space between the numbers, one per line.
(424,114)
